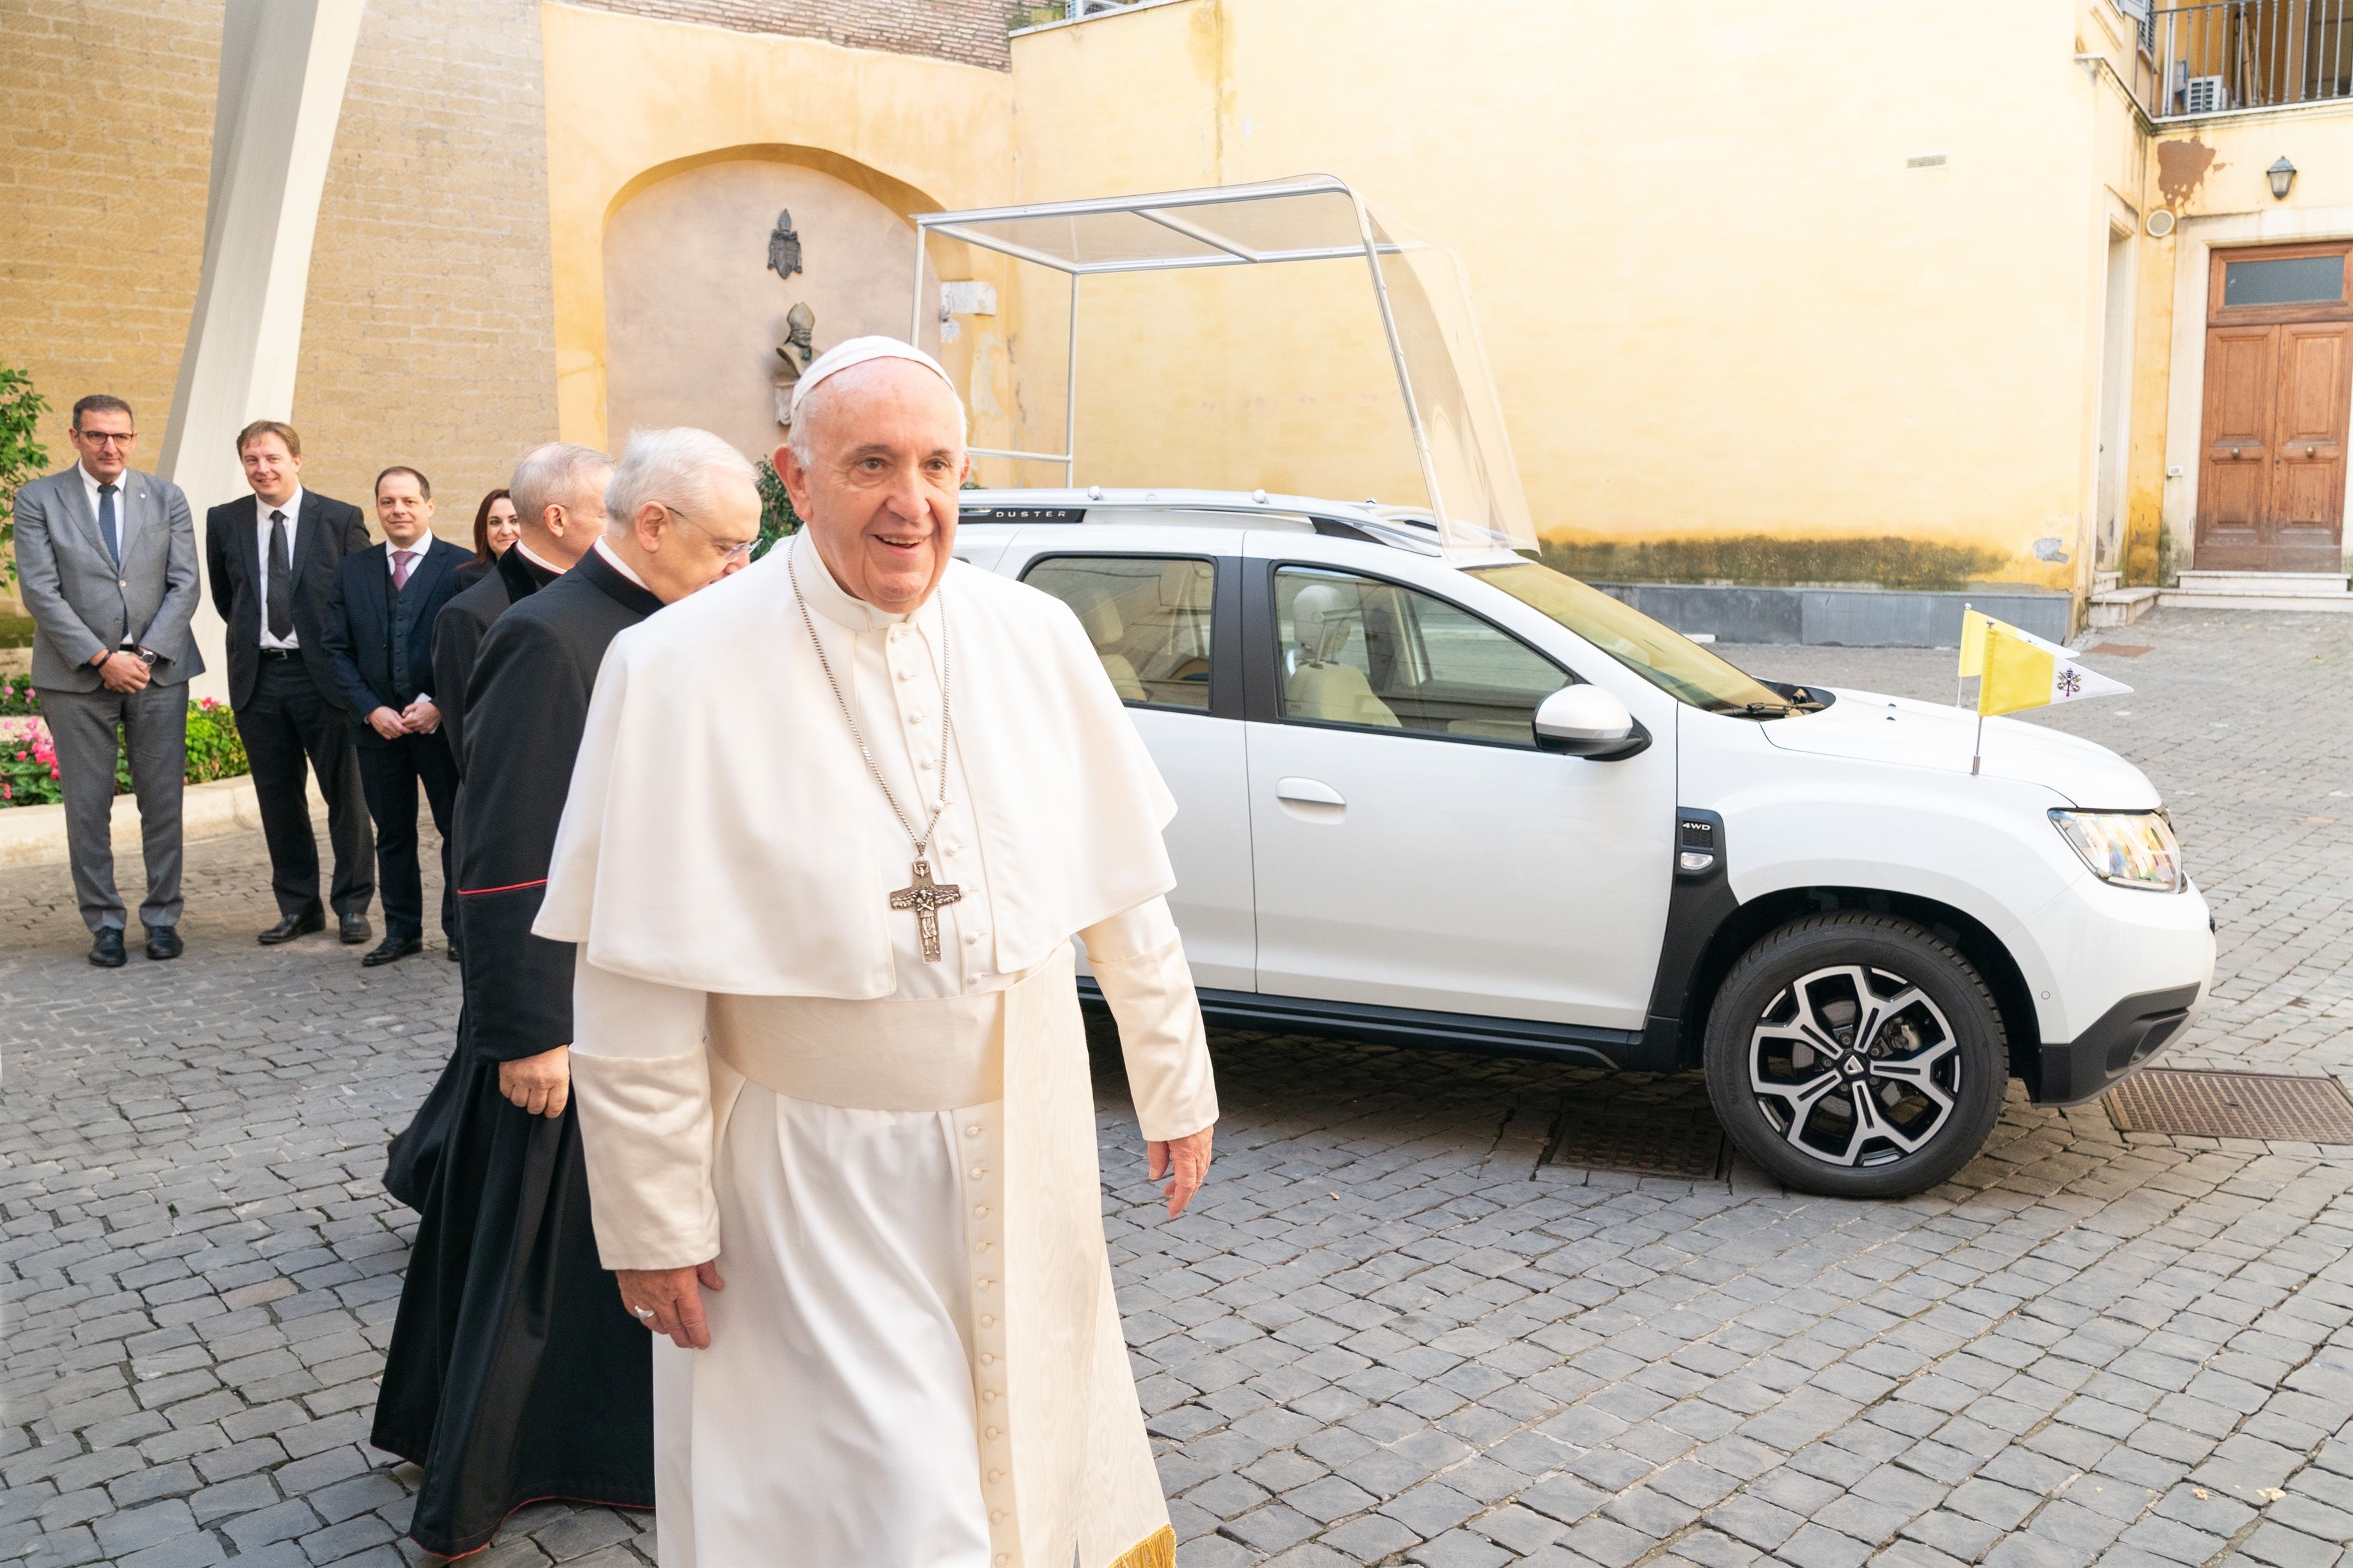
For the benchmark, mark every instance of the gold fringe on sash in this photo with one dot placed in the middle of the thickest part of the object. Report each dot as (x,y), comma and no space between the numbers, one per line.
(1157,1549)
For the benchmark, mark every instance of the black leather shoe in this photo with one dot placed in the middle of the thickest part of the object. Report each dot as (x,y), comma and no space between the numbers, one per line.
(291,926)
(354,928)
(106,948)
(163,942)
(392,948)
(453,953)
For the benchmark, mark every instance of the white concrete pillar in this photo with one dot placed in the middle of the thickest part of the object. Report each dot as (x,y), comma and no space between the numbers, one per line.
(283,65)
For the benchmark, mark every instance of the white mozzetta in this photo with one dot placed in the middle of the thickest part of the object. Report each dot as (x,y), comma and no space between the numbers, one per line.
(759,858)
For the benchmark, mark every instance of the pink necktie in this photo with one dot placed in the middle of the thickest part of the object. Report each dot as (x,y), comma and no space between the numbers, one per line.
(400,560)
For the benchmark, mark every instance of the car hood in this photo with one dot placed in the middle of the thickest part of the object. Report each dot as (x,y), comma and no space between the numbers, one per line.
(1869,726)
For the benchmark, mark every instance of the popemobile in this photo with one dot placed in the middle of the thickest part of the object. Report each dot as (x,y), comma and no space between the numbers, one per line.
(1432,792)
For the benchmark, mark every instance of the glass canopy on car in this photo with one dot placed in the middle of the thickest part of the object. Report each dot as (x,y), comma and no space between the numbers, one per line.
(1419,292)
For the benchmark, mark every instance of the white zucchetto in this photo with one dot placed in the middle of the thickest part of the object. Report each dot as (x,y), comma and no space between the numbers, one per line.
(858,351)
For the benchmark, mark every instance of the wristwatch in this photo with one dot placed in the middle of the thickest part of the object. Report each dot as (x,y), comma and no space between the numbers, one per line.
(147,655)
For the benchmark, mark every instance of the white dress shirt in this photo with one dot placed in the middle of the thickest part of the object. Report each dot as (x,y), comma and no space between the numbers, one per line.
(261,511)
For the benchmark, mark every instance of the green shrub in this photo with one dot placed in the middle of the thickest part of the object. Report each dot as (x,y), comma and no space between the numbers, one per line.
(777,518)
(216,750)
(28,769)
(21,457)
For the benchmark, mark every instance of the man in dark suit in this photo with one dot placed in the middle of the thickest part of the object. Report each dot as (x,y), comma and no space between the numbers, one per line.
(272,556)
(379,634)
(106,559)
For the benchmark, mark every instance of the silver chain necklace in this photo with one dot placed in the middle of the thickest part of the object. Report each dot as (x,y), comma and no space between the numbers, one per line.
(922,895)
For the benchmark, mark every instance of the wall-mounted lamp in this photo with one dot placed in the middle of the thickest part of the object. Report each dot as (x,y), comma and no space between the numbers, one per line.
(2282,175)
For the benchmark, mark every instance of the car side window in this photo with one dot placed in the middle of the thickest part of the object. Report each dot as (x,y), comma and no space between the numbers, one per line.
(1148,617)
(1359,651)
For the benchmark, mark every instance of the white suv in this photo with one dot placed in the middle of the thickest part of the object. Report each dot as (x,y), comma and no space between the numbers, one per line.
(1479,804)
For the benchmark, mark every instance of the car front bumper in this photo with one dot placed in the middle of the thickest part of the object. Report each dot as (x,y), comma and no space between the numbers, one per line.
(2117,975)
(2123,1039)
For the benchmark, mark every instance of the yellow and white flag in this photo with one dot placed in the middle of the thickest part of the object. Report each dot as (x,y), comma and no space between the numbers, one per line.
(2018,669)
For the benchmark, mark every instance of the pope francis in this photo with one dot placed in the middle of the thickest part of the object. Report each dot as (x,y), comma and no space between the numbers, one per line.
(834,824)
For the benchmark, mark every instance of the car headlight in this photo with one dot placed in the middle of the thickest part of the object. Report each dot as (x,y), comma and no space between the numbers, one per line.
(2130,848)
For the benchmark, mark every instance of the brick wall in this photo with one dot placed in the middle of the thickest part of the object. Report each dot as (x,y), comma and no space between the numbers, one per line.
(105,152)
(969,31)
(428,336)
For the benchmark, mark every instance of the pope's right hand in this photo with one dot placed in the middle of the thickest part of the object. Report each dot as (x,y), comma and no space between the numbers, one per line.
(672,1297)
(540,1084)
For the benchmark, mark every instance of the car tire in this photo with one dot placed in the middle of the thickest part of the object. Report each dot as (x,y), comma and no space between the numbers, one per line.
(1856,1055)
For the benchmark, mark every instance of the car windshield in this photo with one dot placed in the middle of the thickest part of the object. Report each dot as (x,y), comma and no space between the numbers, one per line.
(1666,658)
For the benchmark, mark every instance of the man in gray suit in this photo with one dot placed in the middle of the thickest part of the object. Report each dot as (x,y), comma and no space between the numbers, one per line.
(106,562)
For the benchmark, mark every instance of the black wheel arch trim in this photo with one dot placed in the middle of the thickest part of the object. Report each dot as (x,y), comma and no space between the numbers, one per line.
(1708,929)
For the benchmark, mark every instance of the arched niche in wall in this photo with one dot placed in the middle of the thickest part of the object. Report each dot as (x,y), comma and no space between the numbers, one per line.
(693,316)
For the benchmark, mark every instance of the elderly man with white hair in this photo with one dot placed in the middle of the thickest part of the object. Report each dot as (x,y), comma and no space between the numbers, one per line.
(513,1372)
(832,1081)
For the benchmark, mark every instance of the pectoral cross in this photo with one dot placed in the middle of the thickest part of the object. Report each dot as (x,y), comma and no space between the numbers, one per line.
(926,898)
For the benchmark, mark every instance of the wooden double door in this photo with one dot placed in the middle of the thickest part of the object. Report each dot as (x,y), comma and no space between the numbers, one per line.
(2279,385)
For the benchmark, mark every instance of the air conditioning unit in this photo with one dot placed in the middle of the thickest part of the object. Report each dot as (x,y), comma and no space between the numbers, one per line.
(2205,95)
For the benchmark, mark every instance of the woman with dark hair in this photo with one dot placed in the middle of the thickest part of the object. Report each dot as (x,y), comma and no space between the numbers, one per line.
(494,530)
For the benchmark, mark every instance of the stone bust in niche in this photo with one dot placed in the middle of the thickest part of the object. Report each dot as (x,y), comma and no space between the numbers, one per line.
(796,352)
(800,321)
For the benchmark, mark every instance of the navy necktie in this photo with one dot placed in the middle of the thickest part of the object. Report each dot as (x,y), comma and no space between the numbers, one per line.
(106,525)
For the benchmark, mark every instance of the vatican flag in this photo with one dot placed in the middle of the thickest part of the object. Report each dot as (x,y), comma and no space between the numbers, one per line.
(1973,634)
(2018,669)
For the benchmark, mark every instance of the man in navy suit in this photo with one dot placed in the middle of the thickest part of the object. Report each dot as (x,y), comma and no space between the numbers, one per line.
(380,635)
(271,557)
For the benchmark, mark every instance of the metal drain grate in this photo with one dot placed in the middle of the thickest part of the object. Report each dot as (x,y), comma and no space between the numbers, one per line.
(2233,1105)
(1648,1139)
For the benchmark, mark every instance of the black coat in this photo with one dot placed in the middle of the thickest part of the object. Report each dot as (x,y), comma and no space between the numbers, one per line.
(525,709)
(325,530)
(359,622)
(414,1158)
(514,1373)
(458,630)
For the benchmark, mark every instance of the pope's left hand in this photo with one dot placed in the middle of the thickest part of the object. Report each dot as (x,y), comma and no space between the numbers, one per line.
(1185,1160)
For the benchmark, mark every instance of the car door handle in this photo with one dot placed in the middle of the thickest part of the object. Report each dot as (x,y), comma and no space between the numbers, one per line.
(1307,792)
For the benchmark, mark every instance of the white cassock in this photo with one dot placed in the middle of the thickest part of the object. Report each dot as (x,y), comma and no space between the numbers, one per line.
(917,1359)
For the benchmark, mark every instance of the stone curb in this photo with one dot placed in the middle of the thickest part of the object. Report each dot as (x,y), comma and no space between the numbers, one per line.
(36,834)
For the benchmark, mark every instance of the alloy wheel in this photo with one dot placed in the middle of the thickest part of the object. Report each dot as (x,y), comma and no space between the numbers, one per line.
(1854,1066)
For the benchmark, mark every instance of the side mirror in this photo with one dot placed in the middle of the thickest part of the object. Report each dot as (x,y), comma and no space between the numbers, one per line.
(1586,722)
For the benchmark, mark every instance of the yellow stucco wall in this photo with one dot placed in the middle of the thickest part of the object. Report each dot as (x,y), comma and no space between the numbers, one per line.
(2210,174)
(1716,299)
(631,99)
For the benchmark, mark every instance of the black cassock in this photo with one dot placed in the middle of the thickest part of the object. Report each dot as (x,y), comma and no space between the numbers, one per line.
(458,633)
(514,1373)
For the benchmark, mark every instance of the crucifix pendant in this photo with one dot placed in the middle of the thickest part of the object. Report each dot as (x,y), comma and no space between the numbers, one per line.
(926,898)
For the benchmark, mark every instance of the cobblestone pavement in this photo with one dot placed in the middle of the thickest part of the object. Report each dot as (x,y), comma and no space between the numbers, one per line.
(1389,1331)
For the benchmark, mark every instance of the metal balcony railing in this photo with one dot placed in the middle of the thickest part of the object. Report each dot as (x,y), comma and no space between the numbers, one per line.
(2232,55)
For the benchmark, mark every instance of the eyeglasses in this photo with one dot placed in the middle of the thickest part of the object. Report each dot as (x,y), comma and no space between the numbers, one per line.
(728,549)
(107,437)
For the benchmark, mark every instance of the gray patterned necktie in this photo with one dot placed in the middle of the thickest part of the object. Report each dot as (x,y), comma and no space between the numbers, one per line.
(107,528)
(279,594)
